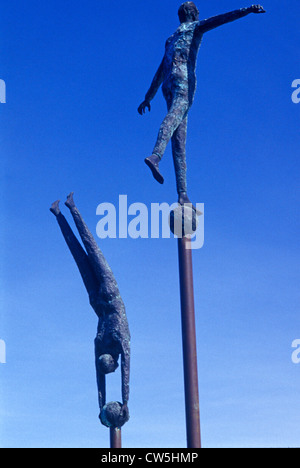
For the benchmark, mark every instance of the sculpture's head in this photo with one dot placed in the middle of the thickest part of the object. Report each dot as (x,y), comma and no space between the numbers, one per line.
(188,12)
(107,364)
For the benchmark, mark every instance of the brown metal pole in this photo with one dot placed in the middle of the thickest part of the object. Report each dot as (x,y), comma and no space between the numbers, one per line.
(115,437)
(189,343)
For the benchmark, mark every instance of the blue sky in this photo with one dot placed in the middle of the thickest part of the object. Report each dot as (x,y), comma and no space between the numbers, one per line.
(75,74)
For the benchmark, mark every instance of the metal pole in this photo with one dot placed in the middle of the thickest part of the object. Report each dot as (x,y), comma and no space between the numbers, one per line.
(115,437)
(189,343)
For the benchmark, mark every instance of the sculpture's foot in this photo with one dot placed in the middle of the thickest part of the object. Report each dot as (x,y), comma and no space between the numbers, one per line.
(70,202)
(152,162)
(183,199)
(55,208)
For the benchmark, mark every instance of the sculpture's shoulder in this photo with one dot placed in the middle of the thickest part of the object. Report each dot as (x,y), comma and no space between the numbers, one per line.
(113,329)
(185,30)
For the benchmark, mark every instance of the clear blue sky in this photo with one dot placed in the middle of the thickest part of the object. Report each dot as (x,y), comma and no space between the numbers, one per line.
(75,74)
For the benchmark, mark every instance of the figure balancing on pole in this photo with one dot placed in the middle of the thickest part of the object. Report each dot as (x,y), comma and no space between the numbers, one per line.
(113,336)
(177,75)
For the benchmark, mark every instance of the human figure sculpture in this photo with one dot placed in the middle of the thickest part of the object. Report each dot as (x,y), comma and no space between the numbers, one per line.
(113,336)
(177,75)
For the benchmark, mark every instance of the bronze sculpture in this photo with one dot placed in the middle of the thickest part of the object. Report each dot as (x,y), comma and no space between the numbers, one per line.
(177,76)
(113,336)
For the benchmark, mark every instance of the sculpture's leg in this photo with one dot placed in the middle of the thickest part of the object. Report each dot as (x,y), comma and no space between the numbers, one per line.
(76,250)
(178,108)
(97,260)
(179,156)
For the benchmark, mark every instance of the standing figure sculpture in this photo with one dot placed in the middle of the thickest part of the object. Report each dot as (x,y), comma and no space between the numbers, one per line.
(177,75)
(113,336)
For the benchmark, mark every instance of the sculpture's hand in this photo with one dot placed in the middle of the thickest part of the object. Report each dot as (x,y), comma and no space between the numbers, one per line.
(114,414)
(124,414)
(257,9)
(142,107)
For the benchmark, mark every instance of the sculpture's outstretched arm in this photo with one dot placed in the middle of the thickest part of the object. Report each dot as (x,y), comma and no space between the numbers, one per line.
(101,390)
(156,82)
(101,380)
(125,371)
(215,21)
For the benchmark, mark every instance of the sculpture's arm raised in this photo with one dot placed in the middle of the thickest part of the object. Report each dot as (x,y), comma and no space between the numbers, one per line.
(216,21)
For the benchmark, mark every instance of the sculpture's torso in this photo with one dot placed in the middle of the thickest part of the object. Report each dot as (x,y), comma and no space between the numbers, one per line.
(113,328)
(179,65)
